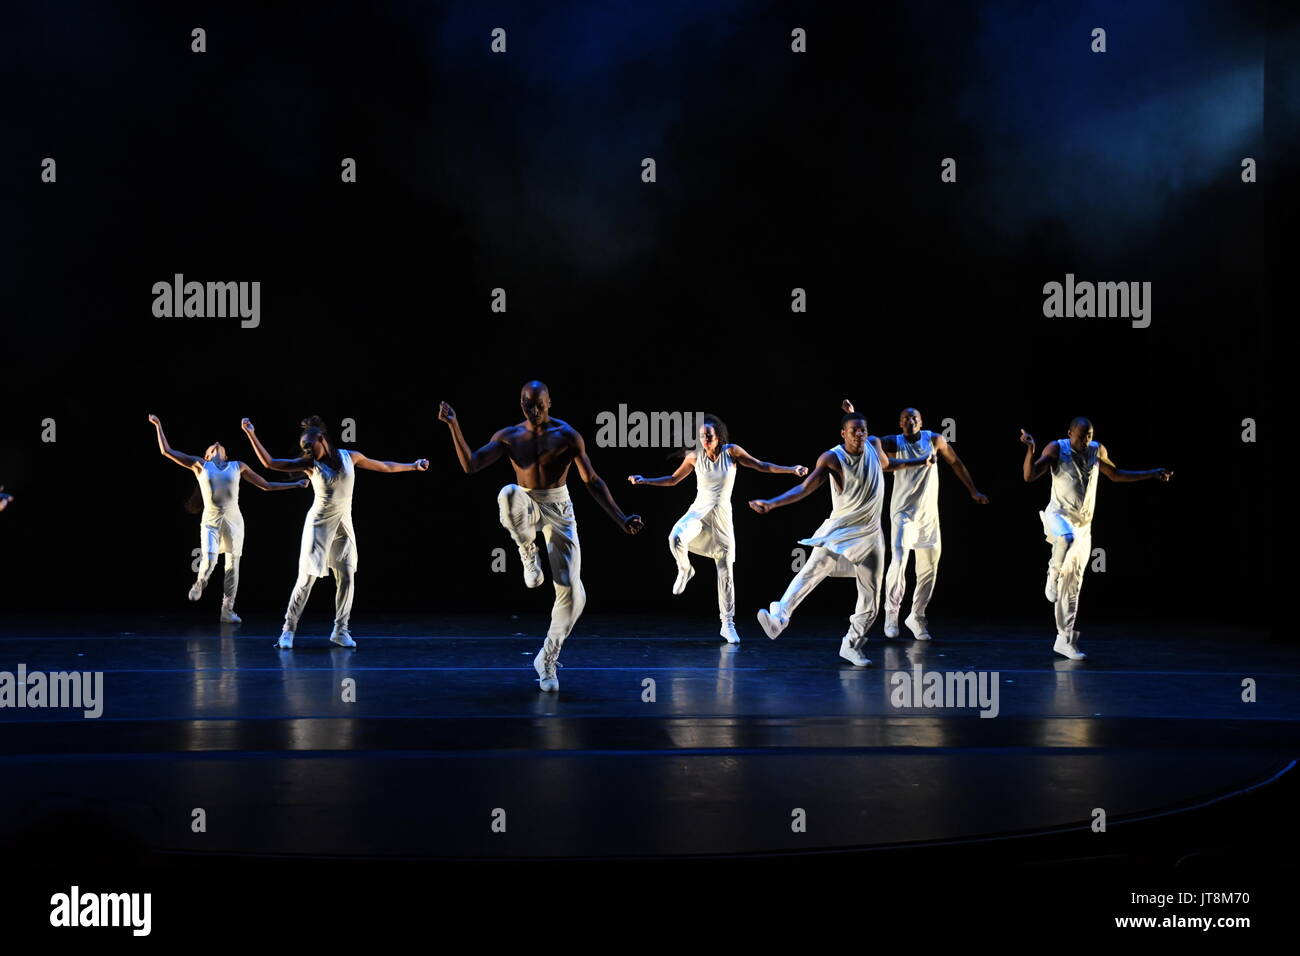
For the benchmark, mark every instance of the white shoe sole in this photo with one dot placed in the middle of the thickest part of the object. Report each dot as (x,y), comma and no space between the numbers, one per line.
(680,584)
(771,626)
(282,645)
(1068,651)
(348,643)
(856,662)
(920,634)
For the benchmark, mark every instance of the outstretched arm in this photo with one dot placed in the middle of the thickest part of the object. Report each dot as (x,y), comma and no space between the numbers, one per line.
(1033,470)
(629,523)
(4,498)
(742,457)
(257,481)
(894,464)
(182,459)
(391,467)
(470,462)
(816,478)
(946,451)
(667,481)
(1115,474)
(275,464)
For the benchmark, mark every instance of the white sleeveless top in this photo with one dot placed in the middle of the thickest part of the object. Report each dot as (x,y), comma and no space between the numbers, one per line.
(853,528)
(328,538)
(220,488)
(714,480)
(1074,483)
(916,490)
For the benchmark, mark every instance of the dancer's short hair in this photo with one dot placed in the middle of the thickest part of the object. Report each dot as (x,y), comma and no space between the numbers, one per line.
(852,416)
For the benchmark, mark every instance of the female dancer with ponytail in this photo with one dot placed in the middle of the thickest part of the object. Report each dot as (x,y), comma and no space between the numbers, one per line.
(221,529)
(706,529)
(329,542)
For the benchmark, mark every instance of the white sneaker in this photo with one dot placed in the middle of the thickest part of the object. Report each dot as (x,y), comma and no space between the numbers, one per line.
(917,628)
(342,638)
(286,641)
(532,559)
(852,654)
(683,575)
(545,667)
(891,624)
(1049,592)
(1069,647)
(228,616)
(729,633)
(771,621)
(196,591)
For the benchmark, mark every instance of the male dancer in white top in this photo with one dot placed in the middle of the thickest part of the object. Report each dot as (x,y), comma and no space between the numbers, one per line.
(221,529)
(914,519)
(707,529)
(1067,522)
(540,450)
(849,543)
(329,542)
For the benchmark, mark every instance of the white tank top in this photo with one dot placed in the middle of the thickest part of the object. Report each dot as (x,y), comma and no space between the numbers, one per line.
(916,490)
(858,501)
(713,480)
(1074,482)
(220,488)
(333,488)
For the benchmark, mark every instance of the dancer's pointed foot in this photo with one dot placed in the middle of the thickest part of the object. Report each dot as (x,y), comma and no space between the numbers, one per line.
(683,575)
(852,654)
(770,619)
(1069,647)
(729,634)
(545,665)
(532,559)
(918,628)
(285,643)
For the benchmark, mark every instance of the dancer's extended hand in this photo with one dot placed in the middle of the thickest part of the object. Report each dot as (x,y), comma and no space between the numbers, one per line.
(636,479)
(801,471)
(981,498)
(846,405)
(305,483)
(761,506)
(246,425)
(422,464)
(633,524)
(1027,438)
(153,420)
(1165,474)
(446,413)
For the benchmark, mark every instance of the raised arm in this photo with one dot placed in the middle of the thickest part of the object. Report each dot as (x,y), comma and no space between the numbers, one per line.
(391,467)
(257,481)
(742,457)
(182,459)
(667,481)
(596,485)
(1115,474)
(1033,470)
(815,479)
(947,453)
(275,464)
(470,462)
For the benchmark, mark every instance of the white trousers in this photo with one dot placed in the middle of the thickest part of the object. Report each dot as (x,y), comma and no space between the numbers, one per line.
(1066,567)
(927,571)
(525,512)
(820,565)
(230,577)
(686,530)
(344,587)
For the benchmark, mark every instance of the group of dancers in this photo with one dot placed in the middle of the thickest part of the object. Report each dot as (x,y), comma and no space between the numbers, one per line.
(541,449)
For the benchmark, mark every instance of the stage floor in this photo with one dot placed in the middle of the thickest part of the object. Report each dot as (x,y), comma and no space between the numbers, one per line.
(448,750)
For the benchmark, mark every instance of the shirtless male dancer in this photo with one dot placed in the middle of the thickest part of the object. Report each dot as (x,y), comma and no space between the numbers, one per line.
(849,543)
(1074,462)
(541,449)
(914,519)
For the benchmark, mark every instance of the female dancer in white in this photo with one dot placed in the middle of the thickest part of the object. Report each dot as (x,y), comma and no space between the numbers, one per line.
(221,529)
(329,542)
(706,529)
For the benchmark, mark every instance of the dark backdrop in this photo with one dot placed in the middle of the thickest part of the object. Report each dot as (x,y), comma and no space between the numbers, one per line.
(522,171)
